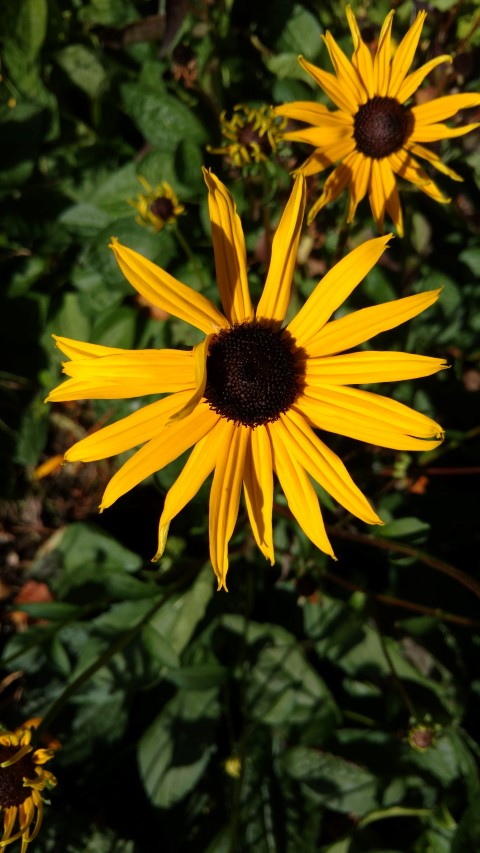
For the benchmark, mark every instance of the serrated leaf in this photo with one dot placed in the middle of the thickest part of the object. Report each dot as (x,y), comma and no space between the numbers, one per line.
(163,120)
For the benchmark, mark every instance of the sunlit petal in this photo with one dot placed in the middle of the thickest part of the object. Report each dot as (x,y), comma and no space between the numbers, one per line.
(435,132)
(360,326)
(159,287)
(258,483)
(404,54)
(172,441)
(199,465)
(340,96)
(435,160)
(135,429)
(439,109)
(225,496)
(346,407)
(322,464)
(416,78)
(314,113)
(230,253)
(334,288)
(274,301)
(127,374)
(346,74)
(362,58)
(383,56)
(301,496)
(361,368)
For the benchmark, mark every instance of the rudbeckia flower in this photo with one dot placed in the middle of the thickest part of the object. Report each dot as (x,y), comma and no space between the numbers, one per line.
(373,135)
(157,206)
(252,135)
(247,397)
(22,778)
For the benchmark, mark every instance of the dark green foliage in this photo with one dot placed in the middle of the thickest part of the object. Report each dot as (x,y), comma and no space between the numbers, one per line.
(282,716)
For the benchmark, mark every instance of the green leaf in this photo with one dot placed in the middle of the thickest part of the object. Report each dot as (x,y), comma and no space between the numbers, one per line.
(171,761)
(83,68)
(163,120)
(337,784)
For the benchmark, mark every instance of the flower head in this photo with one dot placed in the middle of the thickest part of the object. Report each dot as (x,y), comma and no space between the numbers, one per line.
(22,778)
(157,206)
(247,398)
(253,134)
(373,135)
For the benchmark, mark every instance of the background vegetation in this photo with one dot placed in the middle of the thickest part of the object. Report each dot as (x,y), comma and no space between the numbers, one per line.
(316,706)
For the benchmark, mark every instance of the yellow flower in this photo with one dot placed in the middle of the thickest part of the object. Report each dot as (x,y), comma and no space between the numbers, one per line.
(22,778)
(248,396)
(158,206)
(372,133)
(253,134)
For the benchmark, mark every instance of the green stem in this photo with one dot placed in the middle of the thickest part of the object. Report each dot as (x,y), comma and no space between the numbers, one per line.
(191,257)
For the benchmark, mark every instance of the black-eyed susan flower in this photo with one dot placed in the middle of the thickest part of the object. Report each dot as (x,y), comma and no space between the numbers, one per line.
(157,206)
(373,136)
(252,135)
(22,779)
(247,397)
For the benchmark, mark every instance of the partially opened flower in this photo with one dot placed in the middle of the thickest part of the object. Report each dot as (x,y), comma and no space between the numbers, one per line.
(373,135)
(247,397)
(22,779)
(252,134)
(157,206)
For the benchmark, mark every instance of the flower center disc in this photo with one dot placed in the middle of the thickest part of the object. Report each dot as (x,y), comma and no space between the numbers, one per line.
(162,207)
(12,790)
(253,374)
(380,127)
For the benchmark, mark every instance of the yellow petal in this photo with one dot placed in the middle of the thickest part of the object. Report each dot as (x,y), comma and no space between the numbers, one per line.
(334,185)
(346,407)
(407,167)
(384,195)
(158,452)
(200,355)
(404,55)
(376,193)
(131,373)
(317,162)
(361,368)
(339,94)
(361,168)
(435,132)
(321,137)
(346,73)
(442,108)
(334,288)
(299,492)
(225,496)
(320,415)
(230,252)
(362,58)
(81,349)
(200,464)
(314,113)
(362,325)
(159,287)
(416,78)
(382,59)
(435,160)
(322,464)
(274,300)
(258,483)
(135,429)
